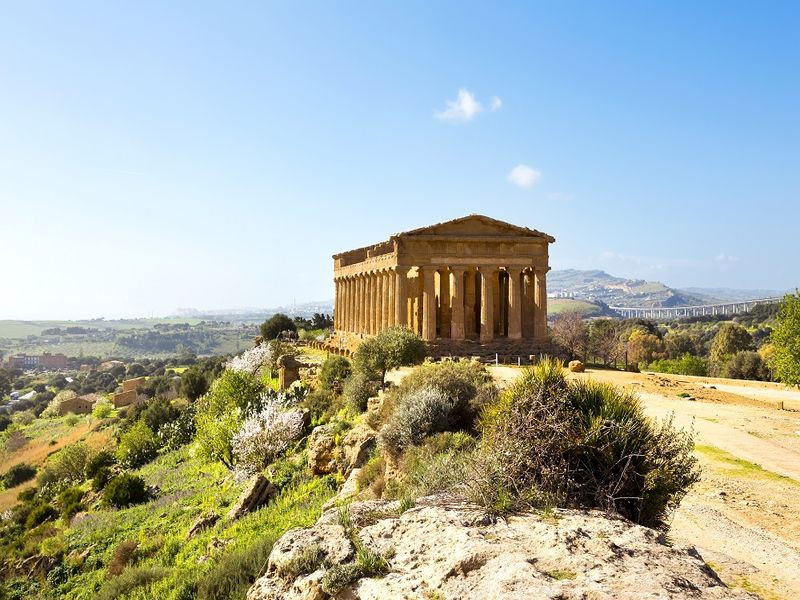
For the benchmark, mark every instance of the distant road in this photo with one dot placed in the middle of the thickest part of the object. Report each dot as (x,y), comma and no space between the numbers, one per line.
(676,312)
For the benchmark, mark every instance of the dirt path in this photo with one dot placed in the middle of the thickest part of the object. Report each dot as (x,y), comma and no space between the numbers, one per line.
(744,515)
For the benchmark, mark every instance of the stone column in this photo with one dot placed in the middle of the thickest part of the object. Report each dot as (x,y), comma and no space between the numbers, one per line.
(384,300)
(367,302)
(373,297)
(357,304)
(444,303)
(350,303)
(457,303)
(469,304)
(514,304)
(528,304)
(400,296)
(428,304)
(540,321)
(488,282)
(390,304)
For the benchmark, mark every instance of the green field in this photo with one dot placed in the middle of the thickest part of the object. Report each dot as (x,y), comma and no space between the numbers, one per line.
(556,306)
(21,329)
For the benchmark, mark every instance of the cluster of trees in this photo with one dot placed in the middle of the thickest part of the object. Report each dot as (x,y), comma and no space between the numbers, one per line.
(769,349)
(279,324)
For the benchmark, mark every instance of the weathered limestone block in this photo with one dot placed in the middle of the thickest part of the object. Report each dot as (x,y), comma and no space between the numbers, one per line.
(200,523)
(257,493)
(322,449)
(288,371)
(357,445)
(576,366)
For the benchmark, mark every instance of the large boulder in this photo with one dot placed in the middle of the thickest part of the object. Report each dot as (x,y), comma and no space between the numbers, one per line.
(322,449)
(576,366)
(357,445)
(445,549)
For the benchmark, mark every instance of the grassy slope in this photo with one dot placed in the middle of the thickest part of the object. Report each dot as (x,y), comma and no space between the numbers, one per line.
(556,306)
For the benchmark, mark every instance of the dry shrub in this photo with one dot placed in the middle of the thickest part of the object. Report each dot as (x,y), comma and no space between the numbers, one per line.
(123,555)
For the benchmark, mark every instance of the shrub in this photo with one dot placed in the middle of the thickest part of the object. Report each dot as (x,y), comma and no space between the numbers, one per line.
(747,365)
(137,446)
(421,413)
(235,572)
(359,388)
(41,513)
(101,478)
(333,373)
(275,325)
(179,432)
(66,466)
(72,419)
(129,581)
(19,473)
(102,409)
(124,490)
(582,444)
(194,383)
(263,436)
(101,459)
(23,417)
(69,502)
(786,340)
(123,555)
(685,365)
(321,403)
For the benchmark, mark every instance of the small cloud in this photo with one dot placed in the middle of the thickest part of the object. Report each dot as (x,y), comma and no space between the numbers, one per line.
(524,176)
(463,108)
(495,104)
(725,258)
(559,197)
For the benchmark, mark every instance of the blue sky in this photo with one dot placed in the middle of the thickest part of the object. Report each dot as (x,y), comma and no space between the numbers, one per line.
(160,155)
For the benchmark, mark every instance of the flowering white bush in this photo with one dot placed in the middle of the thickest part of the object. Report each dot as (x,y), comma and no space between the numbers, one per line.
(251,360)
(263,436)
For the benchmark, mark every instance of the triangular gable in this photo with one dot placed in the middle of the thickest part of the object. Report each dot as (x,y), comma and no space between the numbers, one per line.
(477,225)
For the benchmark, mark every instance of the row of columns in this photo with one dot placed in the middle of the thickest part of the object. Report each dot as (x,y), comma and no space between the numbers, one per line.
(371,301)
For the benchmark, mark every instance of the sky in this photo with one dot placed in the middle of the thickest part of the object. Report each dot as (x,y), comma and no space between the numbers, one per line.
(156,155)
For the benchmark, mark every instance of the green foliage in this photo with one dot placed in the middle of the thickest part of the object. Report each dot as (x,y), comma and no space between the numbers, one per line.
(159,412)
(19,473)
(391,348)
(232,576)
(102,409)
(275,325)
(41,513)
(129,581)
(176,433)
(730,339)
(101,478)
(359,388)
(685,365)
(581,443)
(333,373)
(194,383)
(308,560)
(124,490)
(66,466)
(68,501)
(433,398)
(644,348)
(137,446)
(338,577)
(220,413)
(747,365)
(786,341)
(101,459)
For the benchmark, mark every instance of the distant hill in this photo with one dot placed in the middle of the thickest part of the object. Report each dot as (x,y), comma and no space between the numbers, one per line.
(599,287)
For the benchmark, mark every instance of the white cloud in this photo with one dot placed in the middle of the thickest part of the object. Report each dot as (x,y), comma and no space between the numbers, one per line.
(495,104)
(725,258)
(463,108)
(524,176)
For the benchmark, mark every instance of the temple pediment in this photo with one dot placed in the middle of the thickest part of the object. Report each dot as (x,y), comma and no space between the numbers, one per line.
(476,226)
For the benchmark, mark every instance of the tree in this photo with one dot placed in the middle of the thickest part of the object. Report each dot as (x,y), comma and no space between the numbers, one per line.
(277,323)
(747,365)
(321,321)
(604,339)
(194,383)
(570,332)
(785,339)
(681,343)
(391,348)
(730,339)
(5,384)
(644,348)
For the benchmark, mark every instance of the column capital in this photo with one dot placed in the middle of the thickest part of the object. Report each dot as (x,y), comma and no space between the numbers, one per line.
(513,269)
(458,269)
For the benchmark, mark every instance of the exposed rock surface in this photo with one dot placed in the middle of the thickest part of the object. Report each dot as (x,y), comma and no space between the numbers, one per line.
(321,449)
(325,456)
(200,523)
(443,549)
(256,493)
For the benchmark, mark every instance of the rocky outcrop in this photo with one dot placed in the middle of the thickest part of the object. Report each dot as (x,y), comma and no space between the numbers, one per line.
(258,491)
(322,449)
(326,456)
(444,549)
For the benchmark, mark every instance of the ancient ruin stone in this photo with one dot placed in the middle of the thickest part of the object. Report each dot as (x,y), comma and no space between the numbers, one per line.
(257,493)
(357,445)
(288,371)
